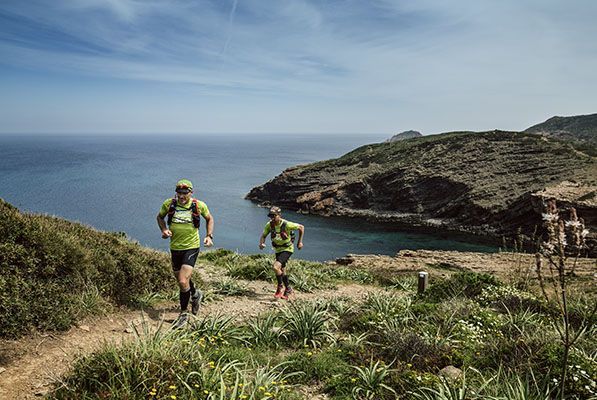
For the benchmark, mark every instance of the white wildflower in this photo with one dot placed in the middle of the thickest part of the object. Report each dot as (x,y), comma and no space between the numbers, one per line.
(549,217)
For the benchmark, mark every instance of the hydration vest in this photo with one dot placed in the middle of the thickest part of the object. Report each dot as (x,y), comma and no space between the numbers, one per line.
(194,212)
(283,234)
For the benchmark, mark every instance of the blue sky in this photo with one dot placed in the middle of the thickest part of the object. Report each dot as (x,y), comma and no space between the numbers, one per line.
(142,66)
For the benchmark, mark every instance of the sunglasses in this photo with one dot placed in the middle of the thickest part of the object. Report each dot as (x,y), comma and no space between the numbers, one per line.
(271,215)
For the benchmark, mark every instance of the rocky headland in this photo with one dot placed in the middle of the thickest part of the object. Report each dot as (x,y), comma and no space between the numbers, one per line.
(405,135)
(488,184)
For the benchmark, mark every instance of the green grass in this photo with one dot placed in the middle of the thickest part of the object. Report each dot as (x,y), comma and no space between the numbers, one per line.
(306,276)
(53,272)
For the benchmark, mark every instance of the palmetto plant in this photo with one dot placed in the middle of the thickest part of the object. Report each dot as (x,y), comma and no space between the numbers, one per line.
(263,330)
(355,341)
(230,287)
(301,281)
(406,283)
(454,390)
(341,306)
(308,323)
(369,382)
(216,326)
(388,306)
(521,321)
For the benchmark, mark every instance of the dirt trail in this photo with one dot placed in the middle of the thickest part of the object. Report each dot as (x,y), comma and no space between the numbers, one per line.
(39,360)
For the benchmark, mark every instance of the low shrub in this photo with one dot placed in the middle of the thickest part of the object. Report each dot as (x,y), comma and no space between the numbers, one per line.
(317,365)
(53,271)
(464,284)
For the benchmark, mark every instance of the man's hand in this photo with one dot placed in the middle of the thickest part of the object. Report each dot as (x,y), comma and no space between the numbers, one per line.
(208,242)
(166,233)
(299,245)
(261,246)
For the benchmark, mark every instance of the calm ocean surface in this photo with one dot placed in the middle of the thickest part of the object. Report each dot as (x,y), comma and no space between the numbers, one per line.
(117,183)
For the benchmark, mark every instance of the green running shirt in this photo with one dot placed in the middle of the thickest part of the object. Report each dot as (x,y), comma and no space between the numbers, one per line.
(184,235)
(290,226)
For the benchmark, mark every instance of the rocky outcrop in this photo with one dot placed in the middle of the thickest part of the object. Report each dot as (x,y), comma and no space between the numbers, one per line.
(489,183)
(404,135)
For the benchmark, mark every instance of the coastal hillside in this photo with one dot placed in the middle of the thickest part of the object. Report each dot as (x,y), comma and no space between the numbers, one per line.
(580,129)
(358,328)
(488,183)
(54,272)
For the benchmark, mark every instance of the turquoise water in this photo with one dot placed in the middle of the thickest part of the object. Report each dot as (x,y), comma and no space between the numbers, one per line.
(117,183)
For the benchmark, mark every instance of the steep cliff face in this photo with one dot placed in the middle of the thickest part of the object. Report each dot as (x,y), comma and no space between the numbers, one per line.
(483,183)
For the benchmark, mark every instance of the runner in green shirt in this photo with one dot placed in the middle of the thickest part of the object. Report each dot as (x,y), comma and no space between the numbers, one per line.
(281,232)
(184,214)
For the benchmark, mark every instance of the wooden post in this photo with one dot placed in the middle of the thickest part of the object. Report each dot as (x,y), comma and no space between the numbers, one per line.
(423,278)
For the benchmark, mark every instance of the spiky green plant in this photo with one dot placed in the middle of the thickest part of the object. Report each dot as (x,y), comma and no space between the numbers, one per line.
(216,327)
(263,330)
(230,287)
(369,382)
(308,323)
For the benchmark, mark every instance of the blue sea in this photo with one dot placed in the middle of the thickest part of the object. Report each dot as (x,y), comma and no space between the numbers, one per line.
(118,182)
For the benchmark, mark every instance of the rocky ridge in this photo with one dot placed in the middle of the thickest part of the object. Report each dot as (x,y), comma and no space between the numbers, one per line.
(404,136)
(489,183)
(581,130)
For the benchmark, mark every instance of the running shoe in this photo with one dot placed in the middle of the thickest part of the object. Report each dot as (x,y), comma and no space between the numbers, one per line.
(279,292)
(287,293)
(196,301)
(181,321)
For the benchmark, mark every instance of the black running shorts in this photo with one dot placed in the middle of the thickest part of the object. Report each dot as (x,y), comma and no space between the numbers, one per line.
(282,257)
(183,257)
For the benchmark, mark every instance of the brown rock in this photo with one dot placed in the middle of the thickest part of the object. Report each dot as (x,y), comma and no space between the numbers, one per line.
(345,260)
(451,373)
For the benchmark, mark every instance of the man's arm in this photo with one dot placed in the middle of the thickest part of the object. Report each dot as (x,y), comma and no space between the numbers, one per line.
(166,233)
(262,241)
(301,230)
(208,241)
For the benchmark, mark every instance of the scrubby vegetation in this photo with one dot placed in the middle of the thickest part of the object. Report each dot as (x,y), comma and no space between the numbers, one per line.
(392,343)
(54,272)
(470,336)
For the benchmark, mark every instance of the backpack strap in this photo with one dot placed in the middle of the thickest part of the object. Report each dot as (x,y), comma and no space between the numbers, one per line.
(283,233)
(195,213)
(171,210)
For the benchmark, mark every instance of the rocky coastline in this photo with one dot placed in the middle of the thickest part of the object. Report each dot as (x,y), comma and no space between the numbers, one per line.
(487,185)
